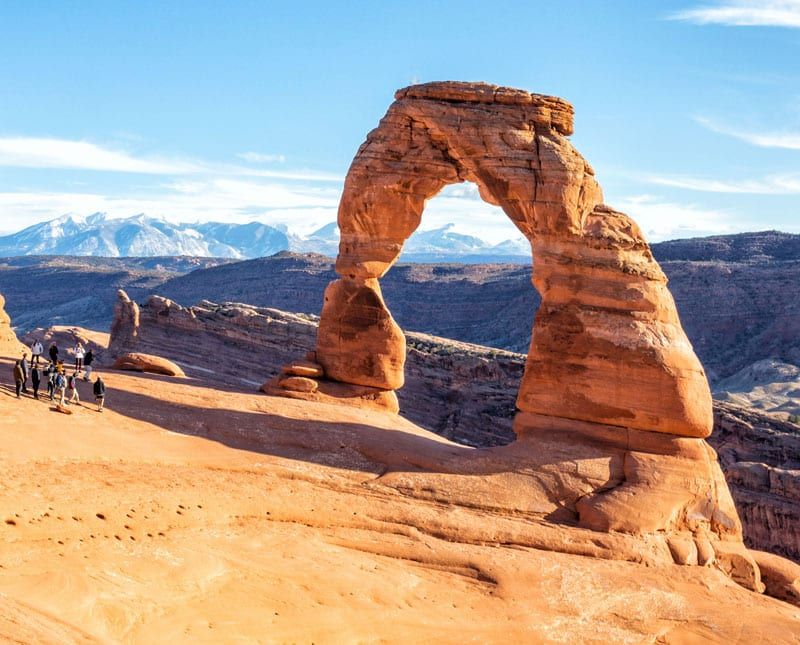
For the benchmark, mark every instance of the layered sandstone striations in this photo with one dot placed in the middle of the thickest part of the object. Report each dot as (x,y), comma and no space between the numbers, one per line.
(607,321)
(761,458)
(754,315)
(610,376)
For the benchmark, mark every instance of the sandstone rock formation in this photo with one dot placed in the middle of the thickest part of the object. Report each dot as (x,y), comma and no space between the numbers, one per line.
(9,344)
(138,362)
(466,393)
(231,343)
(124,327)
(608,346)
(610,374)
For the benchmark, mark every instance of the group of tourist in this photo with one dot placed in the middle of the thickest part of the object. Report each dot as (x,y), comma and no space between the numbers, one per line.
(60,384)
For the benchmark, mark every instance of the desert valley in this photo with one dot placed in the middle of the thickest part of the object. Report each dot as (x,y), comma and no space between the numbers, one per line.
(303,448)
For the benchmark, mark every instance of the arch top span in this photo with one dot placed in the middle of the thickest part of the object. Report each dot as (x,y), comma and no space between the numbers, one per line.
(552,111)
(607,345)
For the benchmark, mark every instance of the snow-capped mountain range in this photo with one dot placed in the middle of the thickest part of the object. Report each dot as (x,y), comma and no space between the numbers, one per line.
(144,236)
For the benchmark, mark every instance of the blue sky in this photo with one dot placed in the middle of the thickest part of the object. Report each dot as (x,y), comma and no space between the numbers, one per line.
(688,110)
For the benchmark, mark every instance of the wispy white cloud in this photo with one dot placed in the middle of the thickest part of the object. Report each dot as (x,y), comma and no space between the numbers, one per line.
(784,184)
(744,13)
(665,220)
(258,157)
(41,152)
(785,140)
(36,152)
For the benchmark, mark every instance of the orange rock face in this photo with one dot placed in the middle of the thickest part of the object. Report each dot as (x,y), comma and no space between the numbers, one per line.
(608,345)
(9,344)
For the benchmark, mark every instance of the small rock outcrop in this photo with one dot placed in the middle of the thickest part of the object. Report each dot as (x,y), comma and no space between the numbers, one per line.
(138,362)
(125,326)
(9,343)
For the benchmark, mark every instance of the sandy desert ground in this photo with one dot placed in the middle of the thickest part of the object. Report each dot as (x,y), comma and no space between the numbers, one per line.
(185,513)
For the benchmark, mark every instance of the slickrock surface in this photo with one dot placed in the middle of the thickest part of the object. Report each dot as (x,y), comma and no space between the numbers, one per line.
(189,513)
(138,362)
(608,346)
(462,392)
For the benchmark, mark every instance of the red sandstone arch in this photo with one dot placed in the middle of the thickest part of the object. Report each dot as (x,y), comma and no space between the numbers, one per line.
(608,346)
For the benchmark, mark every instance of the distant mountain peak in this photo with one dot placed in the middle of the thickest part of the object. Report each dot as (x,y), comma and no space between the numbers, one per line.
(149,236)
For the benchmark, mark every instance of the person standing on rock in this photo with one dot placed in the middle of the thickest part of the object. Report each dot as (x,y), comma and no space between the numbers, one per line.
(54,353)
(36,352)
(36,379)
(79,353)
(87,362)
(72,389)
(99,393)
(61,387)
(51,380)
(24,365)
(18,377)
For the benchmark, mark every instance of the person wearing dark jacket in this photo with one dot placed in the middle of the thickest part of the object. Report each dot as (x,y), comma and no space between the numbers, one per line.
(54,353)
(51,380)
(18,377)
(87,363)
(99,393)
(36,379)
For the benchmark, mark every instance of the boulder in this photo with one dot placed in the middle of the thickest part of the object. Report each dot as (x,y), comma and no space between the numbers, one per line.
(138,362)
(303,368)
(781,577)
(298,384)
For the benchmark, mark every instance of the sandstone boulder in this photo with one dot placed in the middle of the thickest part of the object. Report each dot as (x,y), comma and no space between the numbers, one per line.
(781,577)
(308,369)
(298,384)
(138,362)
